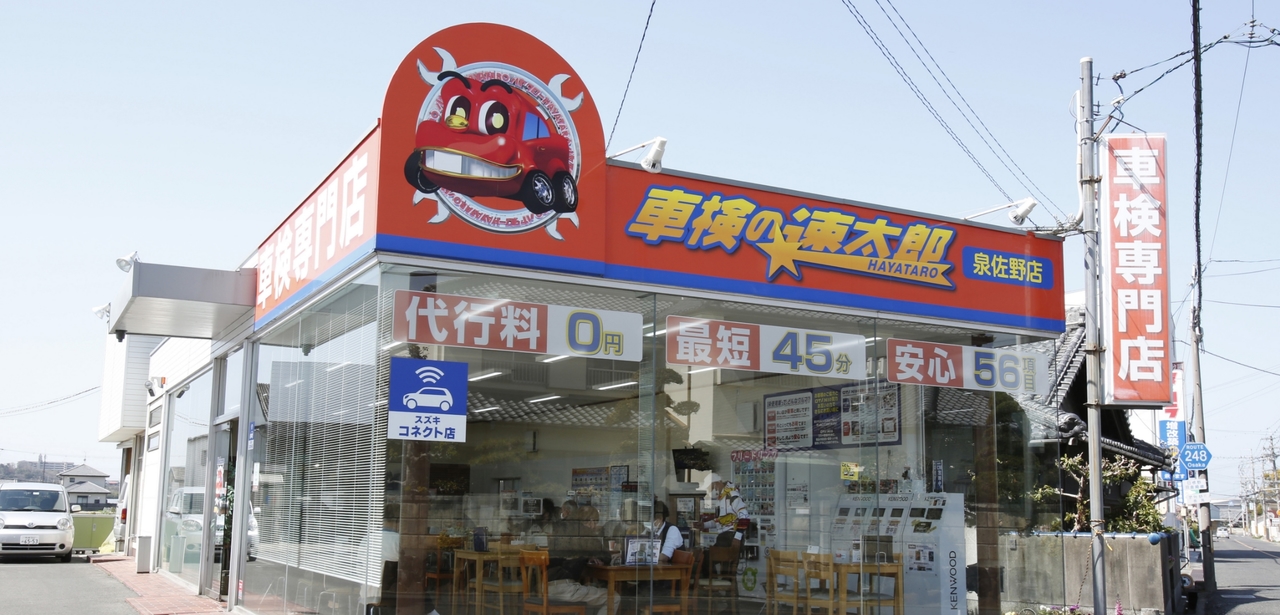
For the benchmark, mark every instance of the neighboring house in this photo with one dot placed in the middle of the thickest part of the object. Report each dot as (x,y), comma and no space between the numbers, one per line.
(87,493)
(83,474)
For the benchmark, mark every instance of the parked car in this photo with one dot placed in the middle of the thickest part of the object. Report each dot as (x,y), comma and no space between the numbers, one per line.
(35,520)
(1222,532)
(122,510)
(185,517)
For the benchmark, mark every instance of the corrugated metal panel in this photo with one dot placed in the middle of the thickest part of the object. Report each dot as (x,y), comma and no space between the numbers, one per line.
(124,398)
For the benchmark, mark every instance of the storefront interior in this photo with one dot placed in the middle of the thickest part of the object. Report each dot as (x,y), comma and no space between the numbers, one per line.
(914,490)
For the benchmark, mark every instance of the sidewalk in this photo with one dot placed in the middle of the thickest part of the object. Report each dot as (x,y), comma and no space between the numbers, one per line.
(157,595)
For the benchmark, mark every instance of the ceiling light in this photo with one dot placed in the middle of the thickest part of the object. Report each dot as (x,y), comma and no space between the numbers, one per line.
(342,364)
(658,332)
(293,384)
(486,409)
(542,398)
(392,345)
(125,263)
(613,385)
(552,358)
(486,373)
(705,369)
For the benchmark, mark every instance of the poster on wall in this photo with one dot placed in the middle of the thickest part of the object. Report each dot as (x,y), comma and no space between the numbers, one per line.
(833,417)
(590,485)
(618,476)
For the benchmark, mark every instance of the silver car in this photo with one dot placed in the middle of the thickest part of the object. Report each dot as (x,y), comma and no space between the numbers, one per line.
(35,520)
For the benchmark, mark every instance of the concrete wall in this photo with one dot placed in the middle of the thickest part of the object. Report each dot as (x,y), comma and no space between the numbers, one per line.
(1056,570)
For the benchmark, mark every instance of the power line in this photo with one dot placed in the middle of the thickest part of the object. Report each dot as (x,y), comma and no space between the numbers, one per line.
(1260,260)
(1241,364)
(45,405)
(1217,221)
(1257,305)
(634,62)
(897,67)
(1228,275)
(959,95)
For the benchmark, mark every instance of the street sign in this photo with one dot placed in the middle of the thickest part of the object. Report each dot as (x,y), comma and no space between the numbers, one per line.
(1195,498)
(1173,434)
(1196,456)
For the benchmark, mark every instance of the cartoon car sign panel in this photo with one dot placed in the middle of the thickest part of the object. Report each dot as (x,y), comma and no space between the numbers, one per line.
(429,397)
(492,141)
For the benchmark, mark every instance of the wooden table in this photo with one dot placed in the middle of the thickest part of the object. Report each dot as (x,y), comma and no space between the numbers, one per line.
(885,569)
(612,575)
(464,558)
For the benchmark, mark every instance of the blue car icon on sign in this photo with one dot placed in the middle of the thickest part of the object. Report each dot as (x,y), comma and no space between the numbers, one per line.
(429,397)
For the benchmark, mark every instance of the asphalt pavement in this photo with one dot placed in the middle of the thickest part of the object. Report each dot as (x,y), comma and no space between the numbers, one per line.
(50,587)
(1248,577)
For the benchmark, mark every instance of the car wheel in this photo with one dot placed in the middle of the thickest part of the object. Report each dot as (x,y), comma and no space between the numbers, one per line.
(412,403)
(566,193)
(418,179)
(538,194)
(66,559)
(444,406)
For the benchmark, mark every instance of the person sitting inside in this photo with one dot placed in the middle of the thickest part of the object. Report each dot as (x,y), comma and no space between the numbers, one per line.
(570,556)
(670,534)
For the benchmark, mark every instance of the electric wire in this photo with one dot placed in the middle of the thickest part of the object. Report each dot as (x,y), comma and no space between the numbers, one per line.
(1020,174)
(1260,260)
(45,405)
(1226,174)
(1256,305)
(634,62)
(1265,371)
(897,67)
(1229,275)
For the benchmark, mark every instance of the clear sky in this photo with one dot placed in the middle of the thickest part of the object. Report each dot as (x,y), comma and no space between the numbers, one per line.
(187,132)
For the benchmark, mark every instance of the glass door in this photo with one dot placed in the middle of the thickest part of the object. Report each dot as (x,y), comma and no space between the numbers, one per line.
(223,500)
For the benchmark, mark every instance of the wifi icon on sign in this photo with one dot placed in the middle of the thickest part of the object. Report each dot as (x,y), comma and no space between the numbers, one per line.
(429,374)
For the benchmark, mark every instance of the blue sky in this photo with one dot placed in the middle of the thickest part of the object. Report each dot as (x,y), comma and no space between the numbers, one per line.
(187,132)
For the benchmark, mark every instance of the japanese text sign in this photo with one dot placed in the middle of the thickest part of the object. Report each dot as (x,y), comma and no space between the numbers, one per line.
(427,400)
(847,416)
(967,367)
(1173,434)
(1135,269)
(499,324)
(764,348)
(332,226)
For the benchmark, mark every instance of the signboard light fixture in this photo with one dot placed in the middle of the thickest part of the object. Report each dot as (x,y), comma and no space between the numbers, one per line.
(1021,209)
(652,161)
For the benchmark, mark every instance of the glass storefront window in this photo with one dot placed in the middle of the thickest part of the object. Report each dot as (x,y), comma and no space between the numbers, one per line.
(769,435)
(182,511)
(231,392)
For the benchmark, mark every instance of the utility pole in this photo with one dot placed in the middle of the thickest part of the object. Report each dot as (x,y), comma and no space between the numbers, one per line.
(1093,350)
(1197,430)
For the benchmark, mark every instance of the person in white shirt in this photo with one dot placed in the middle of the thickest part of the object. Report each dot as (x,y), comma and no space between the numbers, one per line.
(670,534)
(732,518)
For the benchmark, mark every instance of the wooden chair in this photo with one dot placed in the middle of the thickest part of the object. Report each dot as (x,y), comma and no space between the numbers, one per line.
(868,594)
(501,584)
(783,582)
(822,584)
(437,564)
(722,576)
(533,572)
(676,602)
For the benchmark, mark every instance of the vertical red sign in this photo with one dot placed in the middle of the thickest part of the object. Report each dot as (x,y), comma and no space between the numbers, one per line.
(1135,269)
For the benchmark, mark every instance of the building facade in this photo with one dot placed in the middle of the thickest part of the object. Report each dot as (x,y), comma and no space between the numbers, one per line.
(478,336)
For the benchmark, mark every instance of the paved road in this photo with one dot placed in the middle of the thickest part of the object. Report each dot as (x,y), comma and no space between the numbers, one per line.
(1248,577)
(50,587)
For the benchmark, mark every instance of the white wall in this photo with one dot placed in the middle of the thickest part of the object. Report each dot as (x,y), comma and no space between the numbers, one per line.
(177,359)
(124,398)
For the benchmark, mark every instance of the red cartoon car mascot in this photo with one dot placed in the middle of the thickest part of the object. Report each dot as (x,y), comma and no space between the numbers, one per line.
(492,141)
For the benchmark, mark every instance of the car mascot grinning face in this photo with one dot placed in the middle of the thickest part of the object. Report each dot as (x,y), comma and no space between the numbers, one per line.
(492,142)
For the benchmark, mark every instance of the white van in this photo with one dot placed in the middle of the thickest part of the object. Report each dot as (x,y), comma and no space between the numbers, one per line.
(35,520)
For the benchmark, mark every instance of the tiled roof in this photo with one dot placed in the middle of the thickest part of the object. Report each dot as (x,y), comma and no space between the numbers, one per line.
(88,488)
(82,470)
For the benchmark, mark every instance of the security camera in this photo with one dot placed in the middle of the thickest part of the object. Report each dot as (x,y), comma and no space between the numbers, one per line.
(1023,209)
(652,161)
(181,392)
(151,390)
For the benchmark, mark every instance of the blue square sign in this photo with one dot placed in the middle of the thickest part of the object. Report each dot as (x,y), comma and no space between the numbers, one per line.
(427,400)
